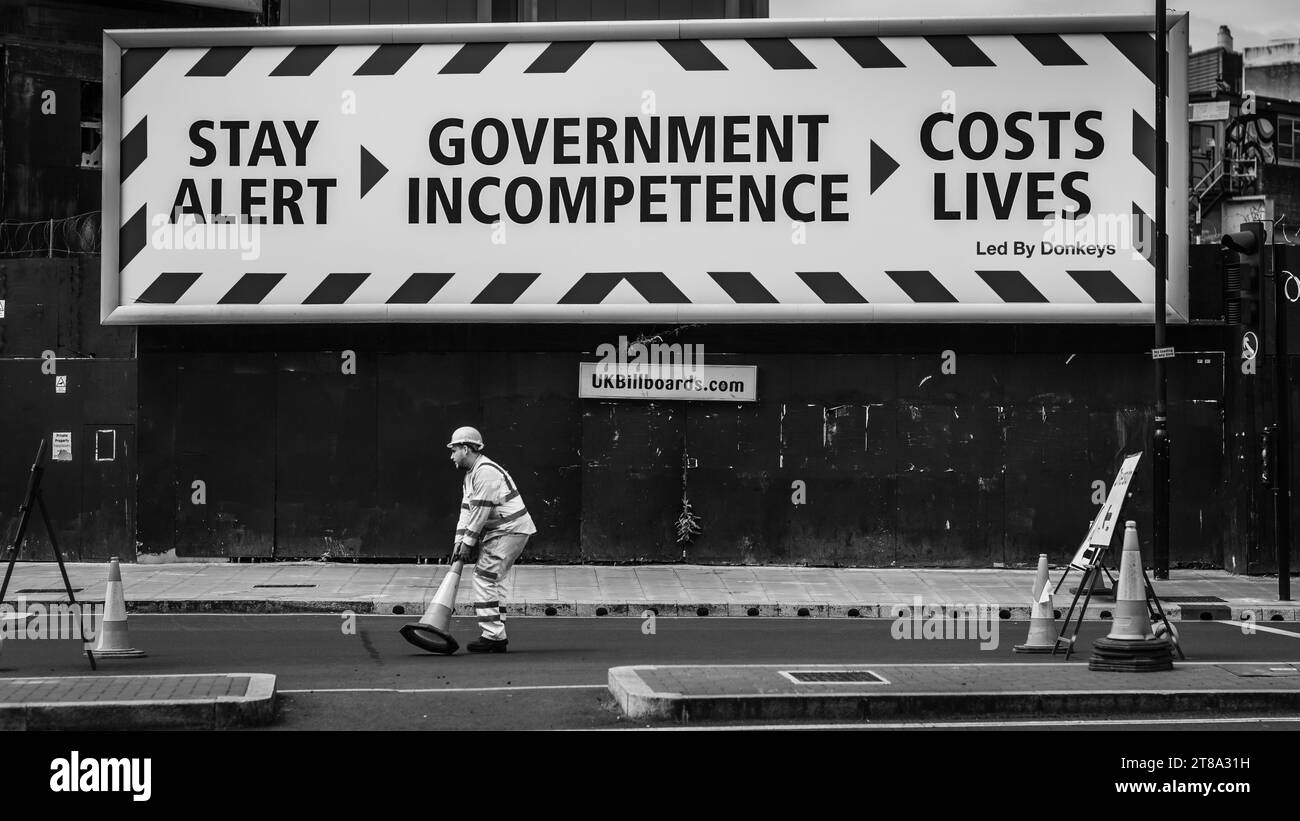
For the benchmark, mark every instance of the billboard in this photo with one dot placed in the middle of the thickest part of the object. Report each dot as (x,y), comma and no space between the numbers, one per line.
(722,171)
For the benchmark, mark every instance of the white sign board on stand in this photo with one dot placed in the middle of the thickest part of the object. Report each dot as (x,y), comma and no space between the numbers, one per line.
(1103,526)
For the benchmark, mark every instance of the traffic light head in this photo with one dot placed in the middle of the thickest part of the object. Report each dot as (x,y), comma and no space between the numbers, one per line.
(1243,242)
(1243,273)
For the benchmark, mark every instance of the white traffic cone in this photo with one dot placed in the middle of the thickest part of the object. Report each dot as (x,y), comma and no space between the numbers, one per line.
(1131,646)
(433,631)
(112,641)
(1042,621)
(1132,622)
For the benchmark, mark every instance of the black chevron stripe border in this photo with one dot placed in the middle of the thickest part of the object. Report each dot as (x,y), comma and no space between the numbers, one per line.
(302,61)
(136,63)
(218,61)
(1103,287)
(387,59)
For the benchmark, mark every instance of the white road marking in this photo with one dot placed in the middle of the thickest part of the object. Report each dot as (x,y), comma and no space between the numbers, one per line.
(959,725)
(449,689)
(1254,625)
(857,665)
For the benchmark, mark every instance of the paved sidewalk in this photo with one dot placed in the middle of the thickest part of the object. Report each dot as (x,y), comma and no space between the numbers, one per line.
(189,702)
(590,590)
(960,691)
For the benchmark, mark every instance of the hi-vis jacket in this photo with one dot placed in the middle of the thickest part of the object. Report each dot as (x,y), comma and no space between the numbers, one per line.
(491,505)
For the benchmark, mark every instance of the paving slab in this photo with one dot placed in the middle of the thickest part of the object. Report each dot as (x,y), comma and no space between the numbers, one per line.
(768,692)
(215,701)
(672,589)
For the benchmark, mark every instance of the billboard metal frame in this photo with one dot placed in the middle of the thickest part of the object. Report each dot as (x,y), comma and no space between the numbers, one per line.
(117,40)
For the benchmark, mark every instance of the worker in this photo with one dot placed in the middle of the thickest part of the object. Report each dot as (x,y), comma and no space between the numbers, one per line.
(493,529)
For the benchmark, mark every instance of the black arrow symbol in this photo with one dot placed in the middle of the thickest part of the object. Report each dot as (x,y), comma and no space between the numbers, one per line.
(372,171)
(882,166)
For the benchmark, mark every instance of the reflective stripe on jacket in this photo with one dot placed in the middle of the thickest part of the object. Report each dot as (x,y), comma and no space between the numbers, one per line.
(491,505)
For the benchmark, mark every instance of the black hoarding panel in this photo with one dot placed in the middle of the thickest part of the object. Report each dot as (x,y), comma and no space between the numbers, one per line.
(225,455)
(158,494)
(108,492)
(631,480)
(1197,484)
(805,474)
(57,407)
(32,300)
(950,459)
(326,505)
(949,518)
(532,424)
(422,398)
(32,411)
(1049,488)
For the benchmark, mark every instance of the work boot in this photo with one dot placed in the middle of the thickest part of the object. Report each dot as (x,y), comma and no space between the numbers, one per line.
(483,644)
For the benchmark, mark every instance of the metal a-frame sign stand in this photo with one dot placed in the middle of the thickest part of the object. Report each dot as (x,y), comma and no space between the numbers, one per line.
(33,497)
(1155,611)
(1090,558)
(1091,573)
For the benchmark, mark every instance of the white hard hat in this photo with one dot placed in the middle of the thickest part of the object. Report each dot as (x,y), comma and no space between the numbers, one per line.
(466,436)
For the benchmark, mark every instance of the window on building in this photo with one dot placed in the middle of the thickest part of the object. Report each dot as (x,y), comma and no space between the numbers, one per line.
(92,124)
(1288,140)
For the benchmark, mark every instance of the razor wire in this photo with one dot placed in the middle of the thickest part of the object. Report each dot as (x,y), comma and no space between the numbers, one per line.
(65,237)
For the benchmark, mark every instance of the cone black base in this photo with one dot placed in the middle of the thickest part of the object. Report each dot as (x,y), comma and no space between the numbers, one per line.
(429,638)
(1132,655)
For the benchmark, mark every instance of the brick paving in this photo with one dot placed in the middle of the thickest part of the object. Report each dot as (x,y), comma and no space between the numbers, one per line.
(82,689)
(675,589)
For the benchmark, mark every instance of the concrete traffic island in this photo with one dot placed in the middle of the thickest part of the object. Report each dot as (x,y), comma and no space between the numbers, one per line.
(701,693)
(214,701)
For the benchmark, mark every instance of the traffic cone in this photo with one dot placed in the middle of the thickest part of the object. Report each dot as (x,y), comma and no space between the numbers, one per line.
(112,641)
(1042,621)
(433,631)
(1132,646)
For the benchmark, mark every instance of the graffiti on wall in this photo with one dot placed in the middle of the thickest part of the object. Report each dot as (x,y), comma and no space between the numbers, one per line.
(1251,135)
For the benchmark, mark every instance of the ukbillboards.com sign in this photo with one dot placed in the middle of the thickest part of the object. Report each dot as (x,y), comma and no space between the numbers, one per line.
(770,170)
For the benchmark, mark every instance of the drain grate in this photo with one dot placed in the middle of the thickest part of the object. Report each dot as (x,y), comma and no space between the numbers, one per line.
(48,590)
(284,585)
(833,676)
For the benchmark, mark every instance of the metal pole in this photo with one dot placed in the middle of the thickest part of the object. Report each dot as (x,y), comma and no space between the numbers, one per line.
(1160,443)
(1282,451)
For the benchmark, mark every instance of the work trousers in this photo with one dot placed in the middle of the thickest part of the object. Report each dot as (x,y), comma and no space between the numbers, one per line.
(495,559)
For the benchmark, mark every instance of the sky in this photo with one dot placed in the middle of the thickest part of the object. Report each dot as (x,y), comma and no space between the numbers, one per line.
(1253,22)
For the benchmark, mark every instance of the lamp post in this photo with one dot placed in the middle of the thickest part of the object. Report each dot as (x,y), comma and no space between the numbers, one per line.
(1160,436)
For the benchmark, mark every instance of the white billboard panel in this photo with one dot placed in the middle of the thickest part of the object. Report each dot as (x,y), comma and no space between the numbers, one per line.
(711,171)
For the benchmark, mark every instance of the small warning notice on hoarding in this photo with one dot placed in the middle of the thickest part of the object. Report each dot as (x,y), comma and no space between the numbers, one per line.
(62,446)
